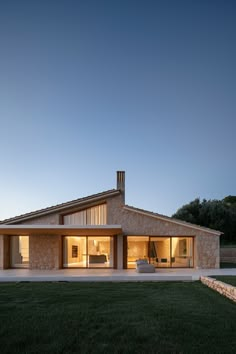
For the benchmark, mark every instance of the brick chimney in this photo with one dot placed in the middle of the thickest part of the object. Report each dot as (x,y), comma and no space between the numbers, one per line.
(121,183)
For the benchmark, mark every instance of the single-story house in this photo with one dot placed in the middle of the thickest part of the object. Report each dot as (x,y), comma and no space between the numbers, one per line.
(101,231)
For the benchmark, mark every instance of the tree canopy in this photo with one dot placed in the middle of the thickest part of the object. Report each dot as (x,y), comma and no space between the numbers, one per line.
(215,214)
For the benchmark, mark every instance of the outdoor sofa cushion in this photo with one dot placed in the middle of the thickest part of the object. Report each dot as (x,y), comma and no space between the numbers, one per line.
(145,268)
(141,261)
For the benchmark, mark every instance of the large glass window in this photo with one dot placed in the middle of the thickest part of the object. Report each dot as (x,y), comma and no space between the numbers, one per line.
(137,248)
(163,252)
(182,251)
(19,251)
(74,251)
(160,251)
(100,252)
(88,252)
(96,215)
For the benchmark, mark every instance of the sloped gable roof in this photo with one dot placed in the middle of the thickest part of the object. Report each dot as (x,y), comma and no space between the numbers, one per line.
(82,202)
(63,207)
(172,220)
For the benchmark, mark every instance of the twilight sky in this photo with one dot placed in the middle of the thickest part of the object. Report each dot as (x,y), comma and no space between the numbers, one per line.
(89,87)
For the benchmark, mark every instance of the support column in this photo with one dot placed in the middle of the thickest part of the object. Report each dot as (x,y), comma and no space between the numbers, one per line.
(195,253)
(1,251)
(4,252)
(120,252)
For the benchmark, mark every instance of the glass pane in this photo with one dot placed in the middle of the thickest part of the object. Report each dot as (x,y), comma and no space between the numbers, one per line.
(159,252)
(137,248)
(100,252)
(20,251)
(83,252)
(92,216)
(182,252)
(74,251)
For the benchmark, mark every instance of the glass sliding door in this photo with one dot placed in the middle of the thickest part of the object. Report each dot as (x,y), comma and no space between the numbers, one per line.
(159,251)
(88,252)
(19,251)
(182,252)
(137,248)
(74,252)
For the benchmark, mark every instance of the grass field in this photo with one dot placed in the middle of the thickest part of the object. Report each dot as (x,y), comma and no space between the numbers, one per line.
(115,318)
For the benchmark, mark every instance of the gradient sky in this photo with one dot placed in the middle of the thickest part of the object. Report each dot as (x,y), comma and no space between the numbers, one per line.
(91,87)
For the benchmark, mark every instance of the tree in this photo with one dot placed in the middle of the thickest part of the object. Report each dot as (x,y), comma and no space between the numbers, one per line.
(189,212)
(215,214)
(230,201)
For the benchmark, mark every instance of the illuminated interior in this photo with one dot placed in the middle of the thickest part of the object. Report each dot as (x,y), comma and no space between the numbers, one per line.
(137,248)
(96,215)
(88,252)
(163,252)
(19,252)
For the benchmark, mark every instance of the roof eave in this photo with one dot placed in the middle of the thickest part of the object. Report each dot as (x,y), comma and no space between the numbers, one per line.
(61,207)
(65,230)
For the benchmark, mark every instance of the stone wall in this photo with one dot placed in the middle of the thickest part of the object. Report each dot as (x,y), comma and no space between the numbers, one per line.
(207,250)
(206,244)
(1,252)
(228,254)
(52,219)
(222,288)
(45,251)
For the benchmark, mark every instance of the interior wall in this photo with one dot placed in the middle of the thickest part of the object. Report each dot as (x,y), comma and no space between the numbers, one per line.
(163,250)
(137,249)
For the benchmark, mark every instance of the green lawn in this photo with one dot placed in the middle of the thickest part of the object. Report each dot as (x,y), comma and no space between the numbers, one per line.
(115,318)
(229,279)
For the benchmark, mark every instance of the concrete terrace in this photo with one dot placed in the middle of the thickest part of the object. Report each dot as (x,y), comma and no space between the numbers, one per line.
(107,275)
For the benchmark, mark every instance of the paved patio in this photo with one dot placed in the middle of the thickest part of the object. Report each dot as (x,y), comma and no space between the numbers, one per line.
(107,275)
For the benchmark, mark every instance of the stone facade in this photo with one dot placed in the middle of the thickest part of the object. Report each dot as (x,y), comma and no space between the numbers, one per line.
(221,287)
(45,251)
(208,250)
(228,254)
(206,244)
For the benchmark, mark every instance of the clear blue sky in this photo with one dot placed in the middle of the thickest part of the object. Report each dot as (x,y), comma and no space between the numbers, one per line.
(91,87)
